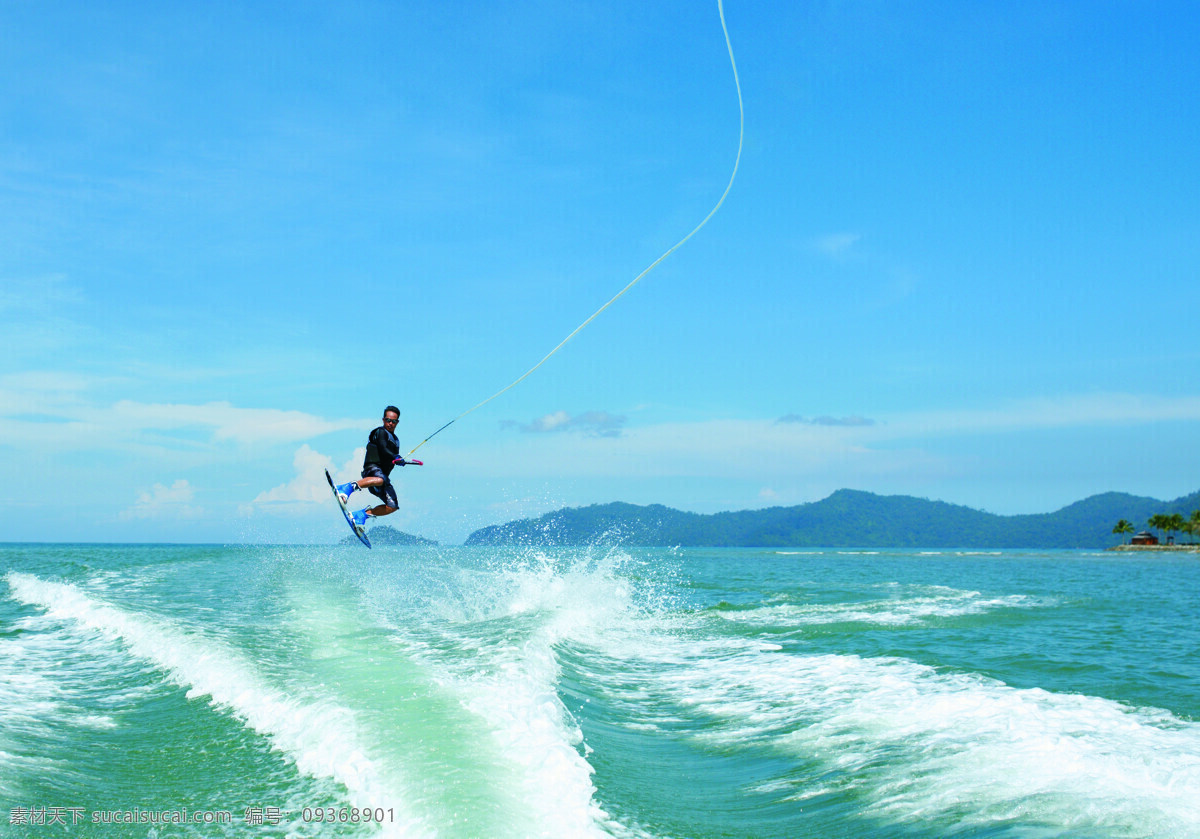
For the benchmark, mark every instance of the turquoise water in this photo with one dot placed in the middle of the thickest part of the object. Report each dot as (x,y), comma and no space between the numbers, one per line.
(454,692)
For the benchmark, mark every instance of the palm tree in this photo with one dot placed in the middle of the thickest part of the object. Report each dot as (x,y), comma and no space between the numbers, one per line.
(1174,524)
(1193,524)
(1124,526)
(1158,521)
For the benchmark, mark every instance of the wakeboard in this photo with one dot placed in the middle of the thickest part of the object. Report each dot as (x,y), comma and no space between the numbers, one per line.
(358,531)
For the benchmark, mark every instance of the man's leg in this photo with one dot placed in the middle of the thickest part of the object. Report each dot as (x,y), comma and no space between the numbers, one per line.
(385,509)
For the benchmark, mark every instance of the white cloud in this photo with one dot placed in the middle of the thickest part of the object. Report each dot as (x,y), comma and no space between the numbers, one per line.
(164,502)
(226,422)
(595,423)
(1066,411)
(835,244)
(827,420)
(556,421)
(307,486)
(58,396)
(766,450)
(38,409)
(752,449)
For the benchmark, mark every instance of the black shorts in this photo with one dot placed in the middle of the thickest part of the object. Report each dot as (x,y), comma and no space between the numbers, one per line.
(385,493)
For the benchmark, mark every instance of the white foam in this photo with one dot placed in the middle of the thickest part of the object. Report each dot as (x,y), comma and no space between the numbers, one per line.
(913,743)
(320,736)
(918,744)
(512,620)
(48,691)
(890,611)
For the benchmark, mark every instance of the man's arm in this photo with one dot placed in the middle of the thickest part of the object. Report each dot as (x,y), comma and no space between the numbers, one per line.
(376,448)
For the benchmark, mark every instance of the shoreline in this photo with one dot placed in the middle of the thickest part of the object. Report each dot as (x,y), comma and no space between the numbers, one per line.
(1181,548)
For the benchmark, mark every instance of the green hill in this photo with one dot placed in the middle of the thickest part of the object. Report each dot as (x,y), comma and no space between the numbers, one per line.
(847,518)
(382,534)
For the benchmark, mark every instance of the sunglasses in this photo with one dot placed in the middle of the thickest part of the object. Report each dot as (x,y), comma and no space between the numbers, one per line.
(392,420)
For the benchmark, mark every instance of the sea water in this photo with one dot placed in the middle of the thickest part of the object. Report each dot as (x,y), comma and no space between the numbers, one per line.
(195,691)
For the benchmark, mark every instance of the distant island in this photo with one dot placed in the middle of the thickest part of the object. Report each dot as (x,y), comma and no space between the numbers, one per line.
(382,534)
(847,518)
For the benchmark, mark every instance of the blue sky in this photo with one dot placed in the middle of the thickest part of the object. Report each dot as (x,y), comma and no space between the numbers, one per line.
(961,258)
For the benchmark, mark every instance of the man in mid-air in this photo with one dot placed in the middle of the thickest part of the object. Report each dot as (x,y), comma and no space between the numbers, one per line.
(383,455)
